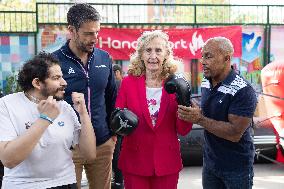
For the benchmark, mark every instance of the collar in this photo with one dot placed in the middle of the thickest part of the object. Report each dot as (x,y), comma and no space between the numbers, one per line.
(227,81)
(66,49)
(230,78)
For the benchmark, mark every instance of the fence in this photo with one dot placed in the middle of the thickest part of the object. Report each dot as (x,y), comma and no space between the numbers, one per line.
(147,14)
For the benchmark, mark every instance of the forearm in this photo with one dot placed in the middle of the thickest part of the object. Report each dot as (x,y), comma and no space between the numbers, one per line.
(16,151)
(222,129)
(87,140)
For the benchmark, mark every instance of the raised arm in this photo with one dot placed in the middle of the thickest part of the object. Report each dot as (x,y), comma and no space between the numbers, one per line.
(87,139)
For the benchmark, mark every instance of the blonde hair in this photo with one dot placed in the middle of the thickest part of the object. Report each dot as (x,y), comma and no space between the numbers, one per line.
(137,66)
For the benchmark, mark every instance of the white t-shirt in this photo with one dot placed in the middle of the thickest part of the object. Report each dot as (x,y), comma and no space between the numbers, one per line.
(50,163)
(154,101)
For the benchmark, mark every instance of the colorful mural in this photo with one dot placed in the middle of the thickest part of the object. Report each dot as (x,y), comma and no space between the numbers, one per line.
(14,50)
(51,38)
(252,61)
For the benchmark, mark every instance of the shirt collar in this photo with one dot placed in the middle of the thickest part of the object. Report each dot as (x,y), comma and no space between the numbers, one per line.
(230,77)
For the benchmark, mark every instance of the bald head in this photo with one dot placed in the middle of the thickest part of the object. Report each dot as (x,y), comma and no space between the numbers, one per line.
(222,44)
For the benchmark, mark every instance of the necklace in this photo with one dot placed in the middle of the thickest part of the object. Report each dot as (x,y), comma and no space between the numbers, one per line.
(32,98)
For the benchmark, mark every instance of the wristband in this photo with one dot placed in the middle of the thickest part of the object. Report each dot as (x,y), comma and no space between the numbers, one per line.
(45,117)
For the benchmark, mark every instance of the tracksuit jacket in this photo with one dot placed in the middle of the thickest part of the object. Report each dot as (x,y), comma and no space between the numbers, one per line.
(96,80)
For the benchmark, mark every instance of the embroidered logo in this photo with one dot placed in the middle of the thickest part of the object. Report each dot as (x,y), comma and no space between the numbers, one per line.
(101,66)
(71,70)
(60,123)
(28,125)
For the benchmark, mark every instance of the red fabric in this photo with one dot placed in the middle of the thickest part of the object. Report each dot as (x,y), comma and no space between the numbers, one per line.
(279,156)
(150,150)
(153,182)
(272,77)
(187,43)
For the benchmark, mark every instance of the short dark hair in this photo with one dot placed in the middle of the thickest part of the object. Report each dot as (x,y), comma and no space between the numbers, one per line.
(116,67)
(37,67)
(81,13)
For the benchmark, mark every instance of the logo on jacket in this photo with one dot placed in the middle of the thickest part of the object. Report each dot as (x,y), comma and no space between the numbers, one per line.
(71,70)
(101,66)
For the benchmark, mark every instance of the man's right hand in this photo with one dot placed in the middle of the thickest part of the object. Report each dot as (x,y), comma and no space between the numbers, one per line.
(49,107)
(191,114)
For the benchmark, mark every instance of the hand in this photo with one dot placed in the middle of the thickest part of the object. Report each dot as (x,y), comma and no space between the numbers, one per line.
(114,138)
(191,114)
(79,102)
(49,107)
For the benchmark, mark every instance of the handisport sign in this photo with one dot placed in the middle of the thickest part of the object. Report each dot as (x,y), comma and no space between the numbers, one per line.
(186,43)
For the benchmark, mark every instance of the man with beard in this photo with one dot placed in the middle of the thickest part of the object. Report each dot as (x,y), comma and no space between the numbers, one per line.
(88,70)
(228,103)
(38,129)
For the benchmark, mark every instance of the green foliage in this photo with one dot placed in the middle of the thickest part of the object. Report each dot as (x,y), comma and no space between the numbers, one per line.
(11,85)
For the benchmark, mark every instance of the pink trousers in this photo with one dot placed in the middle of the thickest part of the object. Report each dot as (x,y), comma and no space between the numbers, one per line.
(150,182)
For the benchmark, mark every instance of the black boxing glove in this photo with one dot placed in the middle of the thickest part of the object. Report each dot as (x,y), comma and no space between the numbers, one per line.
(123,121)
(177,83)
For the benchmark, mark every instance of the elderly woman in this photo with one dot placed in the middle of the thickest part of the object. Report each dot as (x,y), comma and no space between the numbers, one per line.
(150,156)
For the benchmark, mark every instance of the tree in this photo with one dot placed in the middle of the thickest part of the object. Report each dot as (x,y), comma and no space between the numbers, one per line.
(11,84)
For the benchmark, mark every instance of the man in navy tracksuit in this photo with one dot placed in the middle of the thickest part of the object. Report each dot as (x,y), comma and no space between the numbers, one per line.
(88,70)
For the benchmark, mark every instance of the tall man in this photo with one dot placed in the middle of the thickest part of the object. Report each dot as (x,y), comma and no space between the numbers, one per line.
(38,128)
(89,70)
(228,103)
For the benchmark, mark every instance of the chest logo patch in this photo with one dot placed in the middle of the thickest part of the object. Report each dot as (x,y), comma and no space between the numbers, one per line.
(28,125)
(101,66)
(60,123)
(71,70)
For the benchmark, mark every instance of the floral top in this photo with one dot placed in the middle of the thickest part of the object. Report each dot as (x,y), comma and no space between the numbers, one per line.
(154,101)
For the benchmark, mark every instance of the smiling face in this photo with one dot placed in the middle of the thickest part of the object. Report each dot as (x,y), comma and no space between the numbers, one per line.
(154,54)
(54,85)
(86,37)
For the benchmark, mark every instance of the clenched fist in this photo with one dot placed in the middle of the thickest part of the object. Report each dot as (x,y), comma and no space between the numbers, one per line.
(49,107)
(79,102)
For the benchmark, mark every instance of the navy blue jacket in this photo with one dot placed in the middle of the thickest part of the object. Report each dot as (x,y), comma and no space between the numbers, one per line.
(96,81)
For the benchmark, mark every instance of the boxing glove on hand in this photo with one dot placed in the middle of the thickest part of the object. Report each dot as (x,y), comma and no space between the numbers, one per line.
(178,84)
(123,121)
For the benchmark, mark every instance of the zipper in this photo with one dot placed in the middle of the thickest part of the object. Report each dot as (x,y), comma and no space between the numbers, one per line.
(86,73)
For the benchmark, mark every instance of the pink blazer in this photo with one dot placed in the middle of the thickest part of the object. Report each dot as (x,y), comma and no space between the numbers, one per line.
(150,150)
